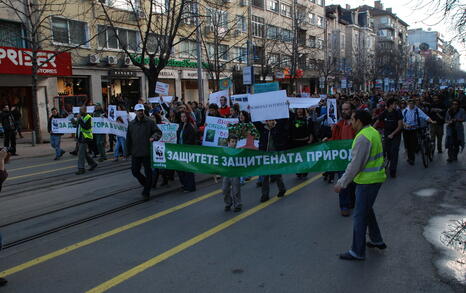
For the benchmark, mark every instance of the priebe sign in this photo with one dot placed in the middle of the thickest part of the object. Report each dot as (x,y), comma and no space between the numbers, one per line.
(19,61)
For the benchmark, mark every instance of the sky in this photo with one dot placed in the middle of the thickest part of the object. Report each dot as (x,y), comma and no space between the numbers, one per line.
(418,14)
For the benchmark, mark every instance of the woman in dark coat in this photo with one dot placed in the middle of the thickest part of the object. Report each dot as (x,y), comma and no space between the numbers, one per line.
(186,134)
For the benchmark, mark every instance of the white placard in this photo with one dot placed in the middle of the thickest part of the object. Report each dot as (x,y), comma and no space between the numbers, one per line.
(216,131)
(123,115)
(111,112)
(161,88)
(90,109)
(76,110)
(241,100)
(219,98)
(168,132)
(158,100)
(343,83)
(296,103)
(268,106)
(332,115)
(131,116)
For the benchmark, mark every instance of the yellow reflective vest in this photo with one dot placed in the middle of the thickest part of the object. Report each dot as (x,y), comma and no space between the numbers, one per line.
(86,133)
(374,171)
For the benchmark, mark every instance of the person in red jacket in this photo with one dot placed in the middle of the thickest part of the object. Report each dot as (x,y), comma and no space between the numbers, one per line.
(343,130)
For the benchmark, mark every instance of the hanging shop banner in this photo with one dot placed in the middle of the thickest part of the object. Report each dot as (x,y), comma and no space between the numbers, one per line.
(220,98)
(216,131)
(99,126)
(161,88)
(19,61)
(296,103)
(332,111)
(111,112)
(329,156)
(168,132)
(266,87)
(241,100)
(268,106)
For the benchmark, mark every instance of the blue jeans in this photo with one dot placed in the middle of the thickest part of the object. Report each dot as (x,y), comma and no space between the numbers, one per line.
(364,218)
(55,141)
(120,141)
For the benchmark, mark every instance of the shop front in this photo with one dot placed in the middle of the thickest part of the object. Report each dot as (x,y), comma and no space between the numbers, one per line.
(121,87)
(189,85)
(16,82)
(72,92)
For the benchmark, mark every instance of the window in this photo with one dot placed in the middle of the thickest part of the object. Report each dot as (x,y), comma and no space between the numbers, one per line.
(188,49)
(274,59)
(258,54)
(286,61)
(108,38)
(312,18)
(312,41)
(301,37)
(240,54)
(69,31)
(222,52)
(158,6)
(11,34)
(258,3)
(217,18)
(320,44)
(258,26)
(189,14)
(320,21)
(241,23)
(319,2)
(154,43)
(272,5)
(272,32)
(287,36)
(131,5)
(285,10)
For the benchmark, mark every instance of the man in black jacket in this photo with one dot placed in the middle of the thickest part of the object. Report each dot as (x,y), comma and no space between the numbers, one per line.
(9,129)
(273,137)
(141,132)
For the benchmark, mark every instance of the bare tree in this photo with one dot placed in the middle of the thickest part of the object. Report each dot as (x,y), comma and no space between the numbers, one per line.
(160,25)
(222,38)
(36,18)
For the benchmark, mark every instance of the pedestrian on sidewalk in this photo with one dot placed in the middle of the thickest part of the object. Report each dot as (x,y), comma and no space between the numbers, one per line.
(16,112)
(455,130)
(84,134)
(231,186)
(100,138)
(9,130)
(367,170)
(55,138)
(141,132)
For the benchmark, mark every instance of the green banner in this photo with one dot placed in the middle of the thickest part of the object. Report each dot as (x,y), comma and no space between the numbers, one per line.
(328,156)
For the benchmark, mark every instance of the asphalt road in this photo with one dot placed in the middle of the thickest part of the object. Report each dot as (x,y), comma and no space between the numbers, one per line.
(185,242)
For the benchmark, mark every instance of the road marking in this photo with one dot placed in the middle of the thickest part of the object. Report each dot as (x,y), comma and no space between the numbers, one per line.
(193,241)
(107,234)
(39,173)
(41,165)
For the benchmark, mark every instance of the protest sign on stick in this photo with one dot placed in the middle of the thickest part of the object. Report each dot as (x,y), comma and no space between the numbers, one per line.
(296,103)
(332,115)
(268,106)
(168,132)
(216,131)
(221,98)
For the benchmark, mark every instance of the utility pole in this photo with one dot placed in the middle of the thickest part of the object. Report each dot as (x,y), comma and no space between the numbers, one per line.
(250,47)
(200,80)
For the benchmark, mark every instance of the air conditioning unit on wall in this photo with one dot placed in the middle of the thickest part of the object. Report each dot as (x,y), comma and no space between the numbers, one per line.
(94,59)
(128,61)
(112,60)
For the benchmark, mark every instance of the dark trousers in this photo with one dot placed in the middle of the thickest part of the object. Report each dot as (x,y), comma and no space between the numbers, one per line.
(347,195)
(187,180)
(436,132)
(145,181)
(266,184)
(364,219)
(100,144)
(84,156)
(392,148)
(410,137)
(111,141)
(10,140)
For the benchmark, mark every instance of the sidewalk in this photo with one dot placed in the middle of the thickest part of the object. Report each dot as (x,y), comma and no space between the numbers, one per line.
(24,147)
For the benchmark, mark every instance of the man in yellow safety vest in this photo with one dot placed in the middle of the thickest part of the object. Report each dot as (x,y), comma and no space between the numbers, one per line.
(367,170)
(84,135)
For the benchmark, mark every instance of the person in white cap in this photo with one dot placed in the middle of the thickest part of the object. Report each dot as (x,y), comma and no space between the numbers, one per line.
(141,132)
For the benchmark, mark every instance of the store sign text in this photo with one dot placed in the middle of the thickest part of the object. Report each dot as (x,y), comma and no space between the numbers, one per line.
(172,62)
(19,61)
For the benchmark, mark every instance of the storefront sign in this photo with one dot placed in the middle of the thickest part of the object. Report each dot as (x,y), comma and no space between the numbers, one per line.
(172,62)
(191,75)
(19,61)
(279,75)
(168,74)
(121,73)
